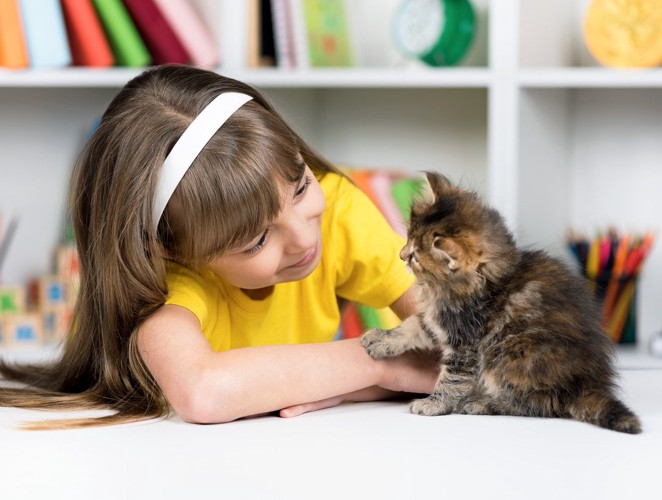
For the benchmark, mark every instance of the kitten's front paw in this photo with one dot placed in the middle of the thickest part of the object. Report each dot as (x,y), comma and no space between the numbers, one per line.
(380,344)
(430,406)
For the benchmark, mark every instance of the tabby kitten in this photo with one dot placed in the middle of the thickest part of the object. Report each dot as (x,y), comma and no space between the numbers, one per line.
(518,332)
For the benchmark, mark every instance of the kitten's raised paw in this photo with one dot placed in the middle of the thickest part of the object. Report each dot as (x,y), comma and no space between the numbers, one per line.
(430,406)
(380,344)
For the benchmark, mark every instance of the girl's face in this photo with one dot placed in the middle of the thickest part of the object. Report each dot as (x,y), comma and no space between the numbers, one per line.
(288,250)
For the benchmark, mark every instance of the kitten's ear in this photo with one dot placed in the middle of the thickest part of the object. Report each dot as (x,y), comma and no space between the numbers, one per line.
(439,184)
(448,251)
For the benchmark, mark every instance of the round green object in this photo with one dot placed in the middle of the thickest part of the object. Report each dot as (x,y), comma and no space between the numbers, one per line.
(438,32)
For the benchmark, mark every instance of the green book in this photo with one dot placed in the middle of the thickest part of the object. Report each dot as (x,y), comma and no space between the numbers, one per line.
(125,41)
(327,32)
(403,192)
(369,317)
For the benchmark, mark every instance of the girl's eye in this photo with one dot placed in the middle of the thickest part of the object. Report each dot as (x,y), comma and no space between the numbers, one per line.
(259,245)
(301,191)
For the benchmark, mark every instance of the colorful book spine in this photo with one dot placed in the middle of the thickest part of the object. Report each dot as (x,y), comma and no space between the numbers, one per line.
(299,34)
(392,194)
(283,34)
(13,49)
(89,46)
(350,322)
(404,191)
(362,179)
(327,31)
(125,41)
(45,33)
(380,182)
(191,32)
(158,36)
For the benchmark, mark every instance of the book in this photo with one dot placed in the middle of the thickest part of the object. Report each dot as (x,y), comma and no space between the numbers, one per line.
(299,33)
(45,34)
(228,22)
(191,31)
(283,33)
(259,33)
(87,40)
(125,41)
(381,183)
(350,322)
(252,33)
(405,190)
(13,49)
(327,32)
(267,46)
(158,36)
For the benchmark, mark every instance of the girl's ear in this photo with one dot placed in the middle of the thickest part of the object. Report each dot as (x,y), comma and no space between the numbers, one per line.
(439,184)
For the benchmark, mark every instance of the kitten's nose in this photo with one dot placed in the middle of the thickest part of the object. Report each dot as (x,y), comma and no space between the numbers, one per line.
(408,253)
(404,253)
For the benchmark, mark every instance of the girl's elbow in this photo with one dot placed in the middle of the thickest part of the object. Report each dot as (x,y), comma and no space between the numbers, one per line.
(207,403)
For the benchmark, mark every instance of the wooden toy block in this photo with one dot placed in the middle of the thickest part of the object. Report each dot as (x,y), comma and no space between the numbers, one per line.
(22,330)
(56,323)
(67,263)
(12,300)
(48,293)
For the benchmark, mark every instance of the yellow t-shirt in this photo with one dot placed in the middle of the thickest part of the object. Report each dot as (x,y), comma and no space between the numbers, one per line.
(359,262)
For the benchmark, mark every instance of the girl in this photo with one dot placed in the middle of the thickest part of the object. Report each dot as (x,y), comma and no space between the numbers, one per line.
(214,247)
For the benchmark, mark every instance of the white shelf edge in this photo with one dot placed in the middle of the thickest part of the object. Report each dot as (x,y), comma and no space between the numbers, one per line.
(268,77)
(367,77)
(589,78)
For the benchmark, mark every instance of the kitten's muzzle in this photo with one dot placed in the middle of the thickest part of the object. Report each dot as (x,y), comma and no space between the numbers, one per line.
(408,254)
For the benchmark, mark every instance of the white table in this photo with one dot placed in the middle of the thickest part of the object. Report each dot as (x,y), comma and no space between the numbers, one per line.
(368,451)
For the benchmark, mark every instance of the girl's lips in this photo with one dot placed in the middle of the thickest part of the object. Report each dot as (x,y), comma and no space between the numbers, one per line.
(307,259)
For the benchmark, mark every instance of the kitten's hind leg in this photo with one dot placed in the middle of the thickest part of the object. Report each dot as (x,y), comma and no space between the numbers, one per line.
(477,404)
(407,336)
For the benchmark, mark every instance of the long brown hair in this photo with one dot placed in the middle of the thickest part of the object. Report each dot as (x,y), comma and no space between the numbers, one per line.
(228,195)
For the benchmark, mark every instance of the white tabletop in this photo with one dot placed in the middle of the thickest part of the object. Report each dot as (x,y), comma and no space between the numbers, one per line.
(367,450)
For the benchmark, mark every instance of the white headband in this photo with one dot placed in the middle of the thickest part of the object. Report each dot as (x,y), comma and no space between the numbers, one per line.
(190,144)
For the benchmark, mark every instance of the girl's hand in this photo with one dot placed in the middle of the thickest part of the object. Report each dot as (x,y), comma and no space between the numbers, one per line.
(411,373)
(414,372)
(368,394)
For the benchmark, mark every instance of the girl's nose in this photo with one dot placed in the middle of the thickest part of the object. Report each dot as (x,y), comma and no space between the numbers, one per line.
(301,233)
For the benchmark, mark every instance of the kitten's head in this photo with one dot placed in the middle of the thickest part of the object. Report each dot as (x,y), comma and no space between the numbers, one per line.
(454,240)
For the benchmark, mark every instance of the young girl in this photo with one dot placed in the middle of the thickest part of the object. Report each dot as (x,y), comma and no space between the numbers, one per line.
(215,246)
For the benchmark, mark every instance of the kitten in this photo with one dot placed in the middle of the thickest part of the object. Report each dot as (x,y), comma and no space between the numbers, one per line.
(518,332)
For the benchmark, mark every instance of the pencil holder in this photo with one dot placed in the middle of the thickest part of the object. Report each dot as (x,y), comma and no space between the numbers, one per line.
(617,296)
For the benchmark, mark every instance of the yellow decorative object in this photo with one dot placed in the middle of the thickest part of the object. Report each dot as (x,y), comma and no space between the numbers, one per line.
(625,33)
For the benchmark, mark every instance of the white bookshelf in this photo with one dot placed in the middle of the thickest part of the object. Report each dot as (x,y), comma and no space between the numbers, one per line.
(530,122)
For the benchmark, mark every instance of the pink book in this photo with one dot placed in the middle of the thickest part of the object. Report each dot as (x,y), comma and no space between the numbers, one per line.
(381,187)
(191,31)
(156,32)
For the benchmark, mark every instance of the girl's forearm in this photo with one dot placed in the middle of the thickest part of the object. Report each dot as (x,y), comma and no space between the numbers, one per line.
(244,382)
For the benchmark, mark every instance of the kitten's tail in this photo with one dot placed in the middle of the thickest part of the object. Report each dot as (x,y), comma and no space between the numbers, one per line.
(605,411)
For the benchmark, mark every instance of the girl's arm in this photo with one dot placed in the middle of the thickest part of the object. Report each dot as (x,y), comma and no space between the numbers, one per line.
(205,386)
(420,369)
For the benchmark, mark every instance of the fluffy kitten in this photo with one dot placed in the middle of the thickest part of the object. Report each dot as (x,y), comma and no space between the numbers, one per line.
(518,332)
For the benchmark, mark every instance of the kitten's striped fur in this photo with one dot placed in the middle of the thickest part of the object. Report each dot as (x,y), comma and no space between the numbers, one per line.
(518,332)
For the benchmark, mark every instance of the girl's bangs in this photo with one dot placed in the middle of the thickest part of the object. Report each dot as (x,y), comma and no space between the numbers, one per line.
(224,202)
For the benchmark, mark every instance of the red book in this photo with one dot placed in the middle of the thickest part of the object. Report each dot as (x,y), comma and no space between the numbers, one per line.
(88,42)
(351,323)
(160,39)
